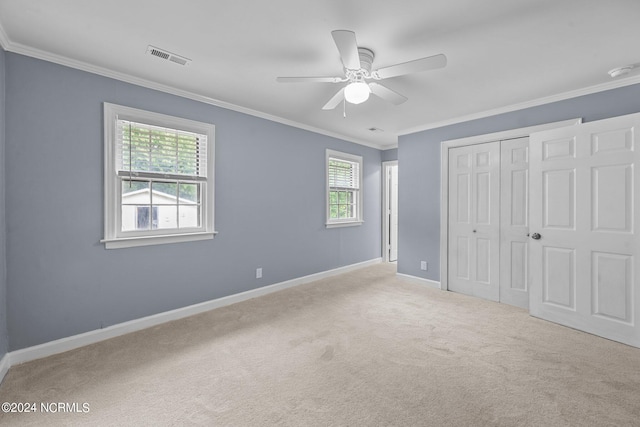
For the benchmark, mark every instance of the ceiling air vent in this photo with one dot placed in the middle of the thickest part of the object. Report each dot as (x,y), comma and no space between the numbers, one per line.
(161,53)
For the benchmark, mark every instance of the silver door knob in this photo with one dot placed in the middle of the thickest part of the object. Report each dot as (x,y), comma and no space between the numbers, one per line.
(536,236)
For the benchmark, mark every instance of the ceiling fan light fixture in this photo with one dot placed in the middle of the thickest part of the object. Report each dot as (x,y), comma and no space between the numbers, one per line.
(356,92)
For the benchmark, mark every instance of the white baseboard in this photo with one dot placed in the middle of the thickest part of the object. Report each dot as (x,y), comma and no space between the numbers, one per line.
(80,340)
(5,364)
(420,280)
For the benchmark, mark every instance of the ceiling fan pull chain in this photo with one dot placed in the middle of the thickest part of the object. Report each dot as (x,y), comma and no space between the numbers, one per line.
(344,108)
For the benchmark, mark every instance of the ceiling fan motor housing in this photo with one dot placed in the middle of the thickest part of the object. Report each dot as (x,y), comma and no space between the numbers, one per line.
(366,59)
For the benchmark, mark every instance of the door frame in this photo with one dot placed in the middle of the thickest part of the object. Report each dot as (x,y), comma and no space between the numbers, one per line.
(385,203)
(444,179)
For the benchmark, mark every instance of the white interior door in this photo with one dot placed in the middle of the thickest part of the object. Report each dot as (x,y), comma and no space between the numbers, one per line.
(584,209)
(393,213)
(514,221)
(474,229)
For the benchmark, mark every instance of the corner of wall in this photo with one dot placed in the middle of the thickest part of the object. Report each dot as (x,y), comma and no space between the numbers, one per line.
(389,155)
(4,339)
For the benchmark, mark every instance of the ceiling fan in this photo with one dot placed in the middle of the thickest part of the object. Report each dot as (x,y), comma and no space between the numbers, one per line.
(357,63)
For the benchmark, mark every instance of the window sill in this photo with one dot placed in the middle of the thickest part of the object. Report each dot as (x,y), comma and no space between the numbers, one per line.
(131,242)
(343,224)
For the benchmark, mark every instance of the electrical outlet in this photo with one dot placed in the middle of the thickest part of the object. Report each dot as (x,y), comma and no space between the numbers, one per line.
(424,266)
(259,273)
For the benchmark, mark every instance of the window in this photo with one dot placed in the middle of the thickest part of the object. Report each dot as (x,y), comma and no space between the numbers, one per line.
(158,178)
(344,191)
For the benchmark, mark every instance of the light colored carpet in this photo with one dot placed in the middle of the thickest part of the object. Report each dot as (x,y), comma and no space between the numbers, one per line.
(362,349)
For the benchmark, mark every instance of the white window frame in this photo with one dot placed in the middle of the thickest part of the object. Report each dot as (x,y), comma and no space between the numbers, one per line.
(332,223)
(114,238)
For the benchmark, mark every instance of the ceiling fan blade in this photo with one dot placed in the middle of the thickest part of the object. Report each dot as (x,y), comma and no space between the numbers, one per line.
(309,79)
(387,94)
(415,66)
(333,102)
(348,48)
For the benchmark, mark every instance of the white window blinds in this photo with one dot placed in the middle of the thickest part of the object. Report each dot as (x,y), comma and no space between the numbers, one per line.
(148,151)
(343,174)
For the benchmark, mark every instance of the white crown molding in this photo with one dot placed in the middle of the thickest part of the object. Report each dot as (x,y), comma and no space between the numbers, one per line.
(9,46)
(18,48)
(527,104)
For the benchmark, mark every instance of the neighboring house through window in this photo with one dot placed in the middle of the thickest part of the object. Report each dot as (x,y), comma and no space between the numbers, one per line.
(158,178)
(344,189)
(144,220)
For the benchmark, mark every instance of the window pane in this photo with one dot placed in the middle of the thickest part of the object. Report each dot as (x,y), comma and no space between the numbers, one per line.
(165,216)
(135,192)
(165,192)
(189,216)
(152,205)
(142,217)
(333,197)
(343,197)
(136,217)
(333,211)
(188,193)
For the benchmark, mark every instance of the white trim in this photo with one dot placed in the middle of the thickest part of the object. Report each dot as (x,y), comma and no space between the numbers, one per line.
(5,364)
(509,134)
(444,177)
(343,224)
(132,242)
(127,78)
(420,280)
(385,203)
(614,84)
(91,337)
(21,49)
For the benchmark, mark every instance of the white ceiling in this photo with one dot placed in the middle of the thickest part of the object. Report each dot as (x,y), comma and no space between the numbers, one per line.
(502,54)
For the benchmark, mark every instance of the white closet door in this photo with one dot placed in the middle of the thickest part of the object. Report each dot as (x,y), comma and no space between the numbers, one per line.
(514,221)
(474,229)
(584,210)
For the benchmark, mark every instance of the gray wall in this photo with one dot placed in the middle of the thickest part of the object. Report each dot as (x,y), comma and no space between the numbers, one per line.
(389,155)
(419,171)
(4,345)
(269,212)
